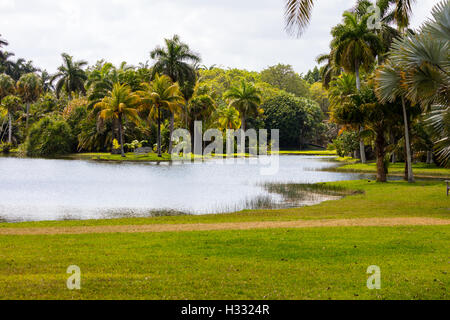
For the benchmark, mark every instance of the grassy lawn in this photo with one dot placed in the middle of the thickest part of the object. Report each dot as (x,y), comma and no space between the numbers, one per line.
(394,199)
(311,263)
(324,263)
(419,169)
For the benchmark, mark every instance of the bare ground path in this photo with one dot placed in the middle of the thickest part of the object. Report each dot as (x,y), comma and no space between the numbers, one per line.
(362,222)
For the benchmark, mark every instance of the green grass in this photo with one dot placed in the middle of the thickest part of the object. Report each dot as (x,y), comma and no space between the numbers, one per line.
(307,152)
(132,157)
(419,169)
(393,199)
(318,263)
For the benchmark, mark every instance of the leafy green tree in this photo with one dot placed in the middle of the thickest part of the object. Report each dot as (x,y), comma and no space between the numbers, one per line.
(296,118)
(285,78)
(121,104)
(48,137)
(160,94)
(70,76)
(246,98)
(29,88)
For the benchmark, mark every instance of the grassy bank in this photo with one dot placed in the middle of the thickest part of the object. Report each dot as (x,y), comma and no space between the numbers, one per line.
(371,199)
(397,169)
(149,157)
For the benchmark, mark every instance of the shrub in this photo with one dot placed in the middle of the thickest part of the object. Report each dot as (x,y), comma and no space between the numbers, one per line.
(346,143)
(49,136)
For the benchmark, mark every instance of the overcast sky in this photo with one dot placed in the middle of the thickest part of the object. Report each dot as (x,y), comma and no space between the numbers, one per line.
(231,33)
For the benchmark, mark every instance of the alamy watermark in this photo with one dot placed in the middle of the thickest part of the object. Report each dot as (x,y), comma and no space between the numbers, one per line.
(252,143)
(374,280)
(74,281)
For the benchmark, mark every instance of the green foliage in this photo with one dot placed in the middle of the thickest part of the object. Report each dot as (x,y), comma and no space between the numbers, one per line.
(346,143)
(48,137)
(298,119)
(285,78)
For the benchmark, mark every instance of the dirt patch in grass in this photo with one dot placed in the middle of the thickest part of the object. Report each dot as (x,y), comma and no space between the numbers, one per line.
(363,222)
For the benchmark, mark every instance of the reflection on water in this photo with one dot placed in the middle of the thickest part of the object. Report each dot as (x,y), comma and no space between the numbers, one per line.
(38,189)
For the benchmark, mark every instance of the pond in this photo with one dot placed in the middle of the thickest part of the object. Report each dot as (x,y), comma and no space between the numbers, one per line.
(41,189)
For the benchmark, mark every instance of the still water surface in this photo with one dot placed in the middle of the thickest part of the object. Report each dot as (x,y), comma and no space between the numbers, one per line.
(41,189)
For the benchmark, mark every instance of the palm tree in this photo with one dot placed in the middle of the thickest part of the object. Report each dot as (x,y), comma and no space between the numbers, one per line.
(419,72)
(228,118)
(11,104)
(70,76)
(3,43)
(121,103)
(298,13)
(29,88)
(177,61)
(46,81)
(390,86)
(355,47)
(7,87)
(160,94)
(246,98)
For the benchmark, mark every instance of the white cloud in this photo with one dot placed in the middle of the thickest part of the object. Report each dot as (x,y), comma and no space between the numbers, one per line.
(244,34)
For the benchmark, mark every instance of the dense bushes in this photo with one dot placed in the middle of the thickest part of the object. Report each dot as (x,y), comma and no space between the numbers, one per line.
(49,136)
(299,120)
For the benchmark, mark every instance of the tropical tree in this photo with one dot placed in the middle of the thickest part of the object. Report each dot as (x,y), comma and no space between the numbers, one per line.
(3,43)
(10,104)
(121,104)
(7,86)
(355,48)
(228,118)
(29,88)
(160,94)
(298,13)
(177,61)
(70,76)
(419,70)
(246,98)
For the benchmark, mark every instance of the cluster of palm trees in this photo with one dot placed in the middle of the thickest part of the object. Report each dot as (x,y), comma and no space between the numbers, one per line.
(411,68)
(170,90)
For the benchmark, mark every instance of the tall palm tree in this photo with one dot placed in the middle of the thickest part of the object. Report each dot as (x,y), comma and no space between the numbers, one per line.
(160,94)
(121,103)
(70,76)
(355,48)
(3,43)
(7,87)
(246,98)
(298,13)
(419,72)
(390,86)
(10,104)
(177,61)
(29,88)
(228,118)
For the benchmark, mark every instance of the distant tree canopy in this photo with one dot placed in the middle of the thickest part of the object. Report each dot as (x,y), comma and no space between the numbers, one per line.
(313,76)
(298,119)
(285,78)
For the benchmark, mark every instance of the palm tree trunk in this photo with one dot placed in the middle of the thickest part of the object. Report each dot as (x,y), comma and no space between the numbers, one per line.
(380,151)
(408,145)
(243,122)
(159,132)
(362,147)
(172,121)
(10,128)
(121,137)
